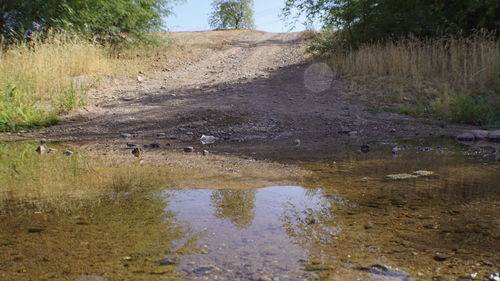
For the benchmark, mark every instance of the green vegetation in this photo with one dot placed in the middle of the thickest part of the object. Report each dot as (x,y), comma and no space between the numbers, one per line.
(416,57)
(107,19)
(232,14)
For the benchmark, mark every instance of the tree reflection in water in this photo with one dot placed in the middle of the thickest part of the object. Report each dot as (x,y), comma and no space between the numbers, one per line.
(237,206)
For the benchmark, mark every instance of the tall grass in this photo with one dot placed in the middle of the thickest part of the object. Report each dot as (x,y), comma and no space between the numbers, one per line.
(453,78)
(41,79)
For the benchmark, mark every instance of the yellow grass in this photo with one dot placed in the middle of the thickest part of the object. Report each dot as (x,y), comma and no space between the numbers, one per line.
(42,79)
(427,73)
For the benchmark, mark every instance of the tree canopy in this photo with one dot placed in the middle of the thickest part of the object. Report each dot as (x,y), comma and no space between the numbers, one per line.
(232,14)
(374,20)
(96,17)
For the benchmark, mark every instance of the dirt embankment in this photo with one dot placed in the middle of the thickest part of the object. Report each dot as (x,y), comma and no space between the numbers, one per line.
(255,91)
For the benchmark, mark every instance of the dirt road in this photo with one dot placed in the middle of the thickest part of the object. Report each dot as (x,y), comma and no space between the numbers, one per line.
(255,91)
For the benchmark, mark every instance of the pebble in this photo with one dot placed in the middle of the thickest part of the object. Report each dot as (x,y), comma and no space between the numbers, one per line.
(466,137)
(126,135)
(205,153)
(41,149)
(68,153)
(441,256)
(136,152)
(297,142)
(152,145)
(365,148)
(260,277)
(188,149)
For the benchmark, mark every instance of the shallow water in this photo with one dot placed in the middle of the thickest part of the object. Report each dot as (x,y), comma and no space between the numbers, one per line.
(349,221)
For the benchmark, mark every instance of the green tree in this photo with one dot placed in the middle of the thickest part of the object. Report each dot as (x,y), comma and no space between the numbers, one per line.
(237,206)
(92,17)
(361,21)
(232,14)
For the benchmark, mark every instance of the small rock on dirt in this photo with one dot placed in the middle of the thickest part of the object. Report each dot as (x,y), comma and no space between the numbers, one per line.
(169,261)
(441,256)
(90,278)
(125,135)
(466,137)
(68,153)
(188,149)
(479,134)
(205,153)
(152,145)
(494,136)
(365,148)
(260,277)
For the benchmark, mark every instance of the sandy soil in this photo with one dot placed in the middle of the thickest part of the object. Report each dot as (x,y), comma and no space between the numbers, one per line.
(255,91)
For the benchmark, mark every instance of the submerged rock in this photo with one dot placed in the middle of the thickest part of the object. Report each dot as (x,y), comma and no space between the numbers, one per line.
(423,173)
(402,176)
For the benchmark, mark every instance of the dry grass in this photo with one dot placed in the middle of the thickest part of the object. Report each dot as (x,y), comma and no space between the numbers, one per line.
(57,182)
(434,74)
(40,80)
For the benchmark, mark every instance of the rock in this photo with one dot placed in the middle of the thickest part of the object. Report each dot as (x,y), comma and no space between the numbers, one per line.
(161,134)
(125,135)
(385,270)
(169,261)
(127,98)
(441,256)
(207,139)
(260,277)
(152,145)
(393,131)
(90,278)
(202,270)
(127,258)
(35,230)
(51,150)
(365,148)
(319,267)
(140,79)
(369,225)
(466,137)
(395,149)
(297,142)
(353,133)
(494,136)
(472,275)
(188,149)
(493,277)
(479,134)
(205,153)
(402,176)
(68,153)
(43,141)
(131,144)
(137,152)
(41,149)
(423,173)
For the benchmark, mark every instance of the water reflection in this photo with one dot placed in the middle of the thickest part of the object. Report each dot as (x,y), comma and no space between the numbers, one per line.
(237,206)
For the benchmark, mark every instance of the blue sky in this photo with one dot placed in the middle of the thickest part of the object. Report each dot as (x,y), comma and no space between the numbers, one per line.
(193,16)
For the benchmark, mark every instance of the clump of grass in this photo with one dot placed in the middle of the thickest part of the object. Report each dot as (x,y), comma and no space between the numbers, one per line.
(41,79)
(58,182)
(446,77)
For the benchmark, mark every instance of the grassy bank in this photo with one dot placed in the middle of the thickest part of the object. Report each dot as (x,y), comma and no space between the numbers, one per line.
(455,79)
(40,80)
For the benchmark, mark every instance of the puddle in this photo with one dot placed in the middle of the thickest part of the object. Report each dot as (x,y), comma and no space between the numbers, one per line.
(419,215)
(243,233)
(267,232)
